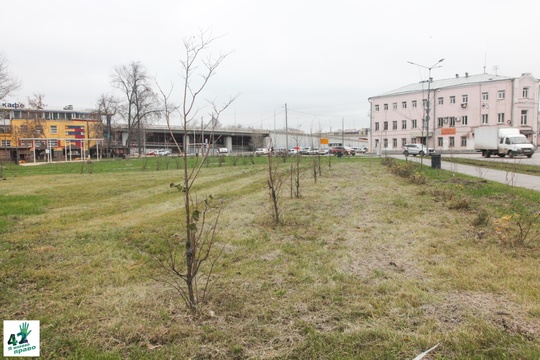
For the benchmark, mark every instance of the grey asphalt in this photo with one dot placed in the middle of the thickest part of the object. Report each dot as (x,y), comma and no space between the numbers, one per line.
(513,179)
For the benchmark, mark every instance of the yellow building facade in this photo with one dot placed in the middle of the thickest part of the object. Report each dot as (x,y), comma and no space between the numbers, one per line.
(47,134)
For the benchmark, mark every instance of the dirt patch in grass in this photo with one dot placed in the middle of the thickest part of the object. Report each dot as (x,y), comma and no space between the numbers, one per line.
(456,308)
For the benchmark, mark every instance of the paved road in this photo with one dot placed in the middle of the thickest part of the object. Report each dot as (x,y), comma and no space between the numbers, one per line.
(515,179)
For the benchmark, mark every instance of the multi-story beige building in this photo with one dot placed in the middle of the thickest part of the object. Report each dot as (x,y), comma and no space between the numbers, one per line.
(456,107)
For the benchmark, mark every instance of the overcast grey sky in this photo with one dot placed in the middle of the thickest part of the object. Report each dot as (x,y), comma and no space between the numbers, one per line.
(323,58)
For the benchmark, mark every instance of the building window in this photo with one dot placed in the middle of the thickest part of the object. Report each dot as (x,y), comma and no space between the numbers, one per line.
(414,124)
(385,143)
(452,121)
(376,143)
(464,141)
(376,107)
(394,106)
(377,128)
(53,142)
(464,120)
(525,92)
(451,141)
(452,99)
(440,141)
(385,106)
(394,143)
(385,125)
(404,104)
(524,114)
(440,101)
(6,143)
(440,122)
(485,119)
(485,96)
(424,103)
(394,125)
(414,104)
(500,94)
(464,99)
(403,124)
(54,129)
(403,142)
(500,118)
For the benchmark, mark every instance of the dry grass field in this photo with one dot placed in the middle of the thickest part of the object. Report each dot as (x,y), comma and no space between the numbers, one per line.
(366,265)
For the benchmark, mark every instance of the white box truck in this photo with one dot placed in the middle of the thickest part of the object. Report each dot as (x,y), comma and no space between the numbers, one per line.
(502,141)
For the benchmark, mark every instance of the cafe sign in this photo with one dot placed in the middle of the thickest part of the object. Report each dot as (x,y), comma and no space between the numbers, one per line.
(12,105)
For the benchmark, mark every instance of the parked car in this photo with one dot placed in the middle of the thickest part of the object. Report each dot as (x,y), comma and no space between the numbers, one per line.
(162,152)
(309,151)
(322,151)
(261,151)
(342,150)
(417,149)
(360,150)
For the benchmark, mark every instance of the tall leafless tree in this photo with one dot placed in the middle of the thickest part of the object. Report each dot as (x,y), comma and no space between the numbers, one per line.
(8,84)
(34,128)
(140,104)
(107,106)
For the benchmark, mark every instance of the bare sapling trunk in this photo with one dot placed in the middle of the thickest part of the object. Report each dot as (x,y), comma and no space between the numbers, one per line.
(199,236)
(275,181)
(315,167)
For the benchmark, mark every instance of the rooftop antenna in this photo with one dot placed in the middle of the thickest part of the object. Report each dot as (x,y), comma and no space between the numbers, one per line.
(495,68)
(485,61)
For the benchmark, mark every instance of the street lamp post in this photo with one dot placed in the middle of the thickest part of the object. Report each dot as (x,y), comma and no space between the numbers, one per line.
(428,104)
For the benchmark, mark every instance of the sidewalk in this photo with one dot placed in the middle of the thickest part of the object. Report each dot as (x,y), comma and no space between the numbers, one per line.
(521,180)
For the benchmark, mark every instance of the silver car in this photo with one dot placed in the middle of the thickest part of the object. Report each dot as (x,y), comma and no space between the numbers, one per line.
(162,152)
(416,149)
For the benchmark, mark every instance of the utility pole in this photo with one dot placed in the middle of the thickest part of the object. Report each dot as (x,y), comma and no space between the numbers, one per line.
(286,130)
(343,132)
(427,107)
(109,152)
(202,136)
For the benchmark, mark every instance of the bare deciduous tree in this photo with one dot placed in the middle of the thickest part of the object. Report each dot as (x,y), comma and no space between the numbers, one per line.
(34,128)
(140,105)
(8,84)
(296,172)
(275,180)
(107,106)
(199,232)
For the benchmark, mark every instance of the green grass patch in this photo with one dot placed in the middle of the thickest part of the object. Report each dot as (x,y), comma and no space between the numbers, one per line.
(366,264)
(14,206)
(509,165)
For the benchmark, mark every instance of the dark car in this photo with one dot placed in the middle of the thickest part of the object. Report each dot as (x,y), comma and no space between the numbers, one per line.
(342,150)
